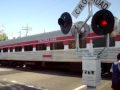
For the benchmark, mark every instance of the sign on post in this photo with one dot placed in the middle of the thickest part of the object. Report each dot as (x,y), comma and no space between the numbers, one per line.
(102,4)
(79,8)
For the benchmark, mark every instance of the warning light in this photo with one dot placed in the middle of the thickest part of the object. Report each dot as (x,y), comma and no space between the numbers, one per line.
(103,22)
(65,22)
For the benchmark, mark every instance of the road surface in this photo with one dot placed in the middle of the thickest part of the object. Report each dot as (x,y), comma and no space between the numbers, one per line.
(13,79)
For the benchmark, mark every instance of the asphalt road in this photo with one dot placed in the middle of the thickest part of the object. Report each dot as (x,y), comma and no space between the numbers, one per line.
(12,79)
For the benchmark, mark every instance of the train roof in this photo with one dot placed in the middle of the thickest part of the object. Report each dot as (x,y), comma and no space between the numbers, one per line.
(45,35)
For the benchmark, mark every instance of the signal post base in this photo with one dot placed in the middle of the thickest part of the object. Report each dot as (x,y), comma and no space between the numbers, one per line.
(91,88)
(91,67)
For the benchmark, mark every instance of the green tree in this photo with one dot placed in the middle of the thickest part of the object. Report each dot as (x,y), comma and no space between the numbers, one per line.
(3,37)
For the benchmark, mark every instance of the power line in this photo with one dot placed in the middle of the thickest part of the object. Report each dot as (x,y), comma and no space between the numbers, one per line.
(27,29)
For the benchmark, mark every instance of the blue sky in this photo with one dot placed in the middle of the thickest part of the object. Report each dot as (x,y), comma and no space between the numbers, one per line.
(41,15)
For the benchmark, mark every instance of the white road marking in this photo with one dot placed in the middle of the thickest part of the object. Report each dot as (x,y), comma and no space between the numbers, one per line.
(5,69)
(16,82)
(81,87)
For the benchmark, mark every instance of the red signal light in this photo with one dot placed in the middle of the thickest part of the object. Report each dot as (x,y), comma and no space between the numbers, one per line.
(103,23)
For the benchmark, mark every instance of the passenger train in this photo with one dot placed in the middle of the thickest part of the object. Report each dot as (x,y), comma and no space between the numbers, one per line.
(54,49)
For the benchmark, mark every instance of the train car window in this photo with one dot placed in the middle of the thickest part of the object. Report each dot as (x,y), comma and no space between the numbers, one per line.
(5,49)
(72,45)
(101,42)
(52,46)
(56,46)
(11,49)
(0,50)
(18,49)
(40,47)
(28,48)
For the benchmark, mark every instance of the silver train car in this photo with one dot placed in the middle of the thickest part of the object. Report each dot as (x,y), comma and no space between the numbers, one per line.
(55,49)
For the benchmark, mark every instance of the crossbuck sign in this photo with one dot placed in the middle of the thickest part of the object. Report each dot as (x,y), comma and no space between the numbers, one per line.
(101,4)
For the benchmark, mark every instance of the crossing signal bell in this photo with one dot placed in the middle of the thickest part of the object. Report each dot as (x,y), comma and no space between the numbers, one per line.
(65,22)
(83,32)
(103,22)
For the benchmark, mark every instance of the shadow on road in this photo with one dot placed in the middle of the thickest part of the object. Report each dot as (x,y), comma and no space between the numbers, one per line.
(58,72)
(55,71)
(4,85)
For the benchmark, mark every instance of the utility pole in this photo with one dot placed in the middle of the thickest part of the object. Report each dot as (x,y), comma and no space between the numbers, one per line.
(27,29)
(19,34)
(44,30)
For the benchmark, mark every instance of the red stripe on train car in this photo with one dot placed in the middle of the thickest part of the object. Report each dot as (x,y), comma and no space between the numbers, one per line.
(47,56)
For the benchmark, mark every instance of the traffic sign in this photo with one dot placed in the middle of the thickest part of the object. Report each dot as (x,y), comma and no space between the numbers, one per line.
(102,4)
(79,8)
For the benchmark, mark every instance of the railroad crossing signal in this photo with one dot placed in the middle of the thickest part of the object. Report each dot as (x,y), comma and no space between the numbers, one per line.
(65,22)
(103,22)
(98,26)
